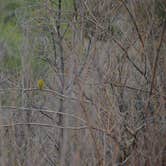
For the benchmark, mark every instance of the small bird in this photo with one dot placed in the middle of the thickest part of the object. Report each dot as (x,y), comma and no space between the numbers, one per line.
(40,84)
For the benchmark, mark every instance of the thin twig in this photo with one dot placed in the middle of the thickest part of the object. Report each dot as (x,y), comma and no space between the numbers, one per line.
(157,58)
(43,125)
(127,56)
(134,22)
(98,155)
(42,110)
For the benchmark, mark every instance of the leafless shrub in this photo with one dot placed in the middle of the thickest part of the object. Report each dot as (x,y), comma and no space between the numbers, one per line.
(104,100)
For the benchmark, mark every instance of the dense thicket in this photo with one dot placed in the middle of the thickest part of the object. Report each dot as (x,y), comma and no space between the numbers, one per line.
(104,98)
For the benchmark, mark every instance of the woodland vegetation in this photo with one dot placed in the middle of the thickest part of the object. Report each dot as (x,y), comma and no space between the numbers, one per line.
(101,98)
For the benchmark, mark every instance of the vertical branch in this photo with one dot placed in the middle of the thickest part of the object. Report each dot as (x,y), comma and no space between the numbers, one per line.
(104,149)
(135,23)
(154,69)
(156,59)
(97,149)
(25,83)
(54,47)
(61,61)
(75,9)
(61,102)
(59,18)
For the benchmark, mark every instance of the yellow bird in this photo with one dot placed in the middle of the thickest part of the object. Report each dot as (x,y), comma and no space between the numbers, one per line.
(40,84)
